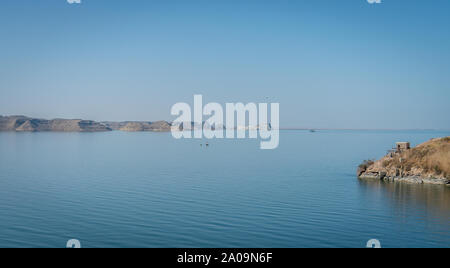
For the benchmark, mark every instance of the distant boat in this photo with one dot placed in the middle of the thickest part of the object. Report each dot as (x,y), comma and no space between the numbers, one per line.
(312,130)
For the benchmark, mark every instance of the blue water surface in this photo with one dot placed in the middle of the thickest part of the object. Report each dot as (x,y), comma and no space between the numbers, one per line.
(144,189)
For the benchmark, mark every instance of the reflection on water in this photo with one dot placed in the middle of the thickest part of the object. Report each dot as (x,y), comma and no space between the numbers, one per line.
(434,199)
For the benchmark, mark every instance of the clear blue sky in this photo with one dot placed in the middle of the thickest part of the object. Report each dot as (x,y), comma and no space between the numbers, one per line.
(338,64)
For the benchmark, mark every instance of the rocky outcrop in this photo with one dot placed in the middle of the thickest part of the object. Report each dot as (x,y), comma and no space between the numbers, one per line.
(428,163)
(26,124)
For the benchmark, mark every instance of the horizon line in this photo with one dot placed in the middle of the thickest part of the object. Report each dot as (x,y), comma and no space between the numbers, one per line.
(280,128)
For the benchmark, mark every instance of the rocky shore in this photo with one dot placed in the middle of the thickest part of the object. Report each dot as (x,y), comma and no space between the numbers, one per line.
(428,163)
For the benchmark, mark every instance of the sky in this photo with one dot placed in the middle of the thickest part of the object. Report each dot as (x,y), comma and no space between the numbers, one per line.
(330,64)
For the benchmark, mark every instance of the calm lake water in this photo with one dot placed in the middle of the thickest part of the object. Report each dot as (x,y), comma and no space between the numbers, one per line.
(148,190)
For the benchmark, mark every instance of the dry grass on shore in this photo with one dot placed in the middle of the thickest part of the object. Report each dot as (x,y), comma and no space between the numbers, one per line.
(432,157)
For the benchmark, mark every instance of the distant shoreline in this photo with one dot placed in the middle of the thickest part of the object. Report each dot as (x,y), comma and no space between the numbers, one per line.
(27,124)
(20,123)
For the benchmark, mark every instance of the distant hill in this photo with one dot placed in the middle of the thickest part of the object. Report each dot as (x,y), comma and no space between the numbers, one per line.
(26,124)
(426,163)
(130,126)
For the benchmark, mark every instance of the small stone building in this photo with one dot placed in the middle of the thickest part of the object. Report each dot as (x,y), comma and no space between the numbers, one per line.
(402,146)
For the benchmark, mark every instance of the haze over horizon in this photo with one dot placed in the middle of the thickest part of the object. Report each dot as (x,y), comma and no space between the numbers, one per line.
(330,64)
